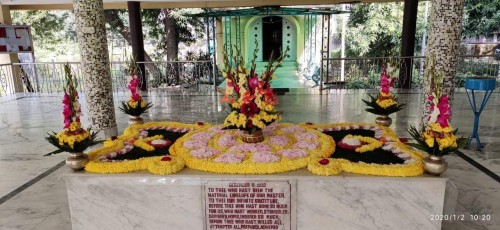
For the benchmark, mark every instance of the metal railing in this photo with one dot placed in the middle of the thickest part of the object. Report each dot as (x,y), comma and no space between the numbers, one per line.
(357,73)
(364,72)
(48,77)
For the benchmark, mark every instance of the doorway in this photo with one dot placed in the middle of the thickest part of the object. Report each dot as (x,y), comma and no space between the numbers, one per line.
(272,34)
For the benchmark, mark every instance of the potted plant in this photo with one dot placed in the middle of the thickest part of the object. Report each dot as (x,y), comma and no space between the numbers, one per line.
(436,136)
(73,139)
(250,96)
(136,105)
(385,103)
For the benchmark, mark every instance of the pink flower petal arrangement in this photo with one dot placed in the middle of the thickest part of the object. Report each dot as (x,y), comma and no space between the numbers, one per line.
(204,152)
(264,157)
(230,158)
(279,140)
(293,153)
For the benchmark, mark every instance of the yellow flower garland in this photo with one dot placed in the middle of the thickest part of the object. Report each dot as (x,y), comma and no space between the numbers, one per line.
(332,168)
(148,163)
(180,155)
(165,167)
(142,143)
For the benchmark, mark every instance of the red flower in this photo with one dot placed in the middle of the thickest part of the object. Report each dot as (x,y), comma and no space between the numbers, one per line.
(249,109)
(227,99)
(249,97)
(249,124)
(200,123)
(324,161)
(235,86)
(167,158)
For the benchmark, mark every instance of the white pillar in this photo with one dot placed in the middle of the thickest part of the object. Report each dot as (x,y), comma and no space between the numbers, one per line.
(91,32)
(444,42)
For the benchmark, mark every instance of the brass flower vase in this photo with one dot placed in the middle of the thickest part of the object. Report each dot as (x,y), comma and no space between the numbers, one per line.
(435,165)
(384,120)
(254,137)
(135,120)
(77,161)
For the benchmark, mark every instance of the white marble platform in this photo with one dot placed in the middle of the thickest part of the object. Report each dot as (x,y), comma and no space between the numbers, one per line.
(347,201)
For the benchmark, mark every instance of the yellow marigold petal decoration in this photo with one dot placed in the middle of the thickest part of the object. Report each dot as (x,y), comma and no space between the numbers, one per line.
(156,166)
(332,168)
(414,169)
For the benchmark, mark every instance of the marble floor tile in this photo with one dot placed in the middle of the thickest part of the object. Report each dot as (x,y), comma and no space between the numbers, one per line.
(44,205)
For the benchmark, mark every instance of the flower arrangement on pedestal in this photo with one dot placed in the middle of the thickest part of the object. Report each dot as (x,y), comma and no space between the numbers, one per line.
(385,103)
(436,136)
(73,139)
(250,96)
(136,105)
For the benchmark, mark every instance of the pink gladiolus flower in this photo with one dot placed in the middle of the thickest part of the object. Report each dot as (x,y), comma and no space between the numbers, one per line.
(444,111)
(136,97)
(67,112)
(253,82)
(67,123)
(66,99)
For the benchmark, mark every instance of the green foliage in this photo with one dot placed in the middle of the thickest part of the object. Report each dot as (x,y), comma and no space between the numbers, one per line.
(187,29)
(54,33)
(422,145)
(378,110)
(481,17)
(358,78)
(137,111)
(78,146)
(374,29)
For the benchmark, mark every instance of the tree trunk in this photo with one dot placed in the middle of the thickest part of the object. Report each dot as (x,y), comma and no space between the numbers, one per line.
(172,42)
(171,37)
(115,22)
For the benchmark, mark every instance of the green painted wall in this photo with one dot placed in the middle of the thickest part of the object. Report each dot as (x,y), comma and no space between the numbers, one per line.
(251,29)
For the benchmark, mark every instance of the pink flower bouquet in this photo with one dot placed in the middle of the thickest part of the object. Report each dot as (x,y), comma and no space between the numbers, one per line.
(385,103)
(136,105)
(73,138)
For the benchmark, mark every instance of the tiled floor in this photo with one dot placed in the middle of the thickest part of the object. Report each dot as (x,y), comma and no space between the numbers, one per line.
(24,119)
